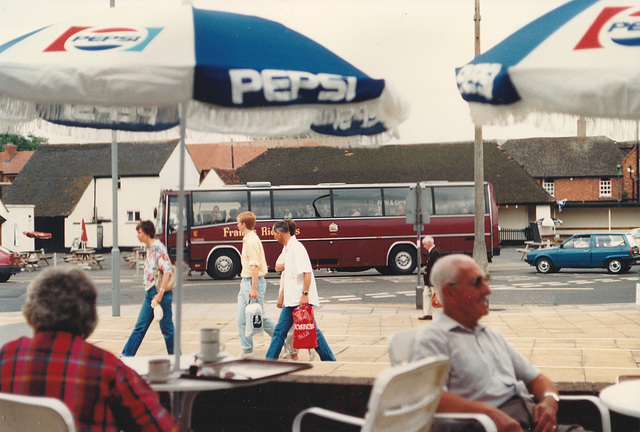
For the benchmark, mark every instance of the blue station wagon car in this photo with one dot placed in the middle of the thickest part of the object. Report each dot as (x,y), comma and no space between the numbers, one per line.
(615,252)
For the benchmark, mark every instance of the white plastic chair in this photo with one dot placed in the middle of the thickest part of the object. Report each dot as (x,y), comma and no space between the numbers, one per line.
(34,414)
(401,345)
(402,398)
(11,331)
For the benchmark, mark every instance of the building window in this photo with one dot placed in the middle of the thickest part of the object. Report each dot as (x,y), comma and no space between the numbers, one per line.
(605,187)
(133,216)
(548,185)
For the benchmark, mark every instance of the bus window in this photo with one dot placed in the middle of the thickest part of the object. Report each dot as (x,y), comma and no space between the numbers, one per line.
(454,200)
(217,206)
(395,200)
(357,202)
(299,203)
(261,204)
(160,218)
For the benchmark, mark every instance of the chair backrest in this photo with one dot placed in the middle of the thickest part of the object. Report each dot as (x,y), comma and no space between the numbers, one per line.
(9,332)
(535,232)
(400,346)
(34,414)
(406,397)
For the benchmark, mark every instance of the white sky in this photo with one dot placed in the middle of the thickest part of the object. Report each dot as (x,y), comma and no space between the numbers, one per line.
(413,44)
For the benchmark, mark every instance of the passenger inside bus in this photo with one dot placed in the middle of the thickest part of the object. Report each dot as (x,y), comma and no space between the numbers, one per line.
(232,215)
(309,212)
(216,216)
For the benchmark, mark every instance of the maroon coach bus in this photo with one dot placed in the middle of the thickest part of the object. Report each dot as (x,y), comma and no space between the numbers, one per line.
(343,226)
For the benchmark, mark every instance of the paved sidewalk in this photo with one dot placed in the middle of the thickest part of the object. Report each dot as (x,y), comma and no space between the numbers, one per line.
(570,344)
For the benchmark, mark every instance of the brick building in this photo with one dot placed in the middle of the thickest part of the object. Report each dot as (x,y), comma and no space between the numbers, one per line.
(594,175)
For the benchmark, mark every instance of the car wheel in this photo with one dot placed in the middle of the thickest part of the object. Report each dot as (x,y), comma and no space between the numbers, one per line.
(224,264)
(402,260)
(615,266)
(544,265)
(4,277)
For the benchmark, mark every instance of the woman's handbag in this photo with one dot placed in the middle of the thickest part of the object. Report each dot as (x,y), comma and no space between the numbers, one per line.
(304,328)
(157,276)
(253,319)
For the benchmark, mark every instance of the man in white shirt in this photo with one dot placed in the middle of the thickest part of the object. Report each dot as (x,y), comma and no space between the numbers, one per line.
(299,290)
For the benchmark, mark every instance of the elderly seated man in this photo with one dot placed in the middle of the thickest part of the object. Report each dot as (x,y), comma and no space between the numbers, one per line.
(487,374)
(101,392)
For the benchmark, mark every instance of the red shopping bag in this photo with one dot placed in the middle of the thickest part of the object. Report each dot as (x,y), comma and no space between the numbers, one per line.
(304,328)
(435,302)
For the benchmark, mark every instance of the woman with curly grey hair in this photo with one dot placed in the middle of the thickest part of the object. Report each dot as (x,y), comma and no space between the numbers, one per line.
(63,299)
(102,392)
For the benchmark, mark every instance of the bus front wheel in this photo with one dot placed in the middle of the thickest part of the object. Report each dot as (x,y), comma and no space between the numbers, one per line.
(402,260)
(223,265)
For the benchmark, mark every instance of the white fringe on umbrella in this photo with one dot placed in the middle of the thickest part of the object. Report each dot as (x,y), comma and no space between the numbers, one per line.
(19,116)
(519,113)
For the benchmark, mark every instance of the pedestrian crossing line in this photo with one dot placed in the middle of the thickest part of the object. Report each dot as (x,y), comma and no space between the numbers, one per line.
(343,280)
(539,288)
(350,299)
(342,296)
(606,280)
(376,294)
(580,282)
(383,296)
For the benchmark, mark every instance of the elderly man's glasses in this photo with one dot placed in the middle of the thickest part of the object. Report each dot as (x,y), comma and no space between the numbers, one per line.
(476,283)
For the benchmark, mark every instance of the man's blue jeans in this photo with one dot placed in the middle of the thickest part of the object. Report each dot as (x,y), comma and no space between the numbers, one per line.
(280,334)
(145,317)
(246,343)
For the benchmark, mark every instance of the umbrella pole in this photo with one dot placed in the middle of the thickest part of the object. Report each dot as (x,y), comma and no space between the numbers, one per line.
(180,239)
(115,251)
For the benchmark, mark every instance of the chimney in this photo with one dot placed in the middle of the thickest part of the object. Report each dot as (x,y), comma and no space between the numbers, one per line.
(10,150)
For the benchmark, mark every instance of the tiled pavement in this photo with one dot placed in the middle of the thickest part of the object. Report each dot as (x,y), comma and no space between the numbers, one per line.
(571,344)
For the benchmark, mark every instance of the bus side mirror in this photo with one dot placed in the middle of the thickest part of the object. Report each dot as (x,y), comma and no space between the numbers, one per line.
(155,213)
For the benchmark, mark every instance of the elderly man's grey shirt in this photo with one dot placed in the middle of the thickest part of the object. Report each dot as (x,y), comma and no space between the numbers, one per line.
(484,366)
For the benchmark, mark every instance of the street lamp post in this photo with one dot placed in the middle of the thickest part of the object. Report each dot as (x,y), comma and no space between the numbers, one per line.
(479,245)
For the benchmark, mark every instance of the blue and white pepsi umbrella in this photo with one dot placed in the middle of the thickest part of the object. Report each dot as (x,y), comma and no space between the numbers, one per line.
(154,69)
(127,69)
(579,60)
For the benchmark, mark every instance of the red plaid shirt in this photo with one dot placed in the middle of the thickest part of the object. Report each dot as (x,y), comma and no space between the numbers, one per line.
(102,393)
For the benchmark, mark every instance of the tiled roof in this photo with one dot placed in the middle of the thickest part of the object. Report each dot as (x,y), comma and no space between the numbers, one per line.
(56,176)
(226,156)
(395,163)
(566,157)
(16,163)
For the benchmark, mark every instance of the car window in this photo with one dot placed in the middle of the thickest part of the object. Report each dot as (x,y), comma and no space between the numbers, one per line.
(609,240)
(577,242)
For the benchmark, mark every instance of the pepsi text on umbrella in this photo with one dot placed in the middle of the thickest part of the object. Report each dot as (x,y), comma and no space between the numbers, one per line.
(286,86)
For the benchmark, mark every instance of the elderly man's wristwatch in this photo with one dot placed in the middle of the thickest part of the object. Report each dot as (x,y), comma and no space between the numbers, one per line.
(305,292)
(552,395)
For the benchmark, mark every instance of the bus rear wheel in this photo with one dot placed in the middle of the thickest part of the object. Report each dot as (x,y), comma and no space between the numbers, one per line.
(402,260)
(223,264)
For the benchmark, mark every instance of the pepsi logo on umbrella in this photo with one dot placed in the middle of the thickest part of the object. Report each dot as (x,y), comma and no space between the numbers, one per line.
(100,39)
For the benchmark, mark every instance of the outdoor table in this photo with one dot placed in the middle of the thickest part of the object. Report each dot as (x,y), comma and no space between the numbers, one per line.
(531,245)
(183,391)
(623,398)
(86,256)
(29,259)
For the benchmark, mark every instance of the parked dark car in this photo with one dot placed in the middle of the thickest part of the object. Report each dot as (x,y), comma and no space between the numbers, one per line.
(615,252)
